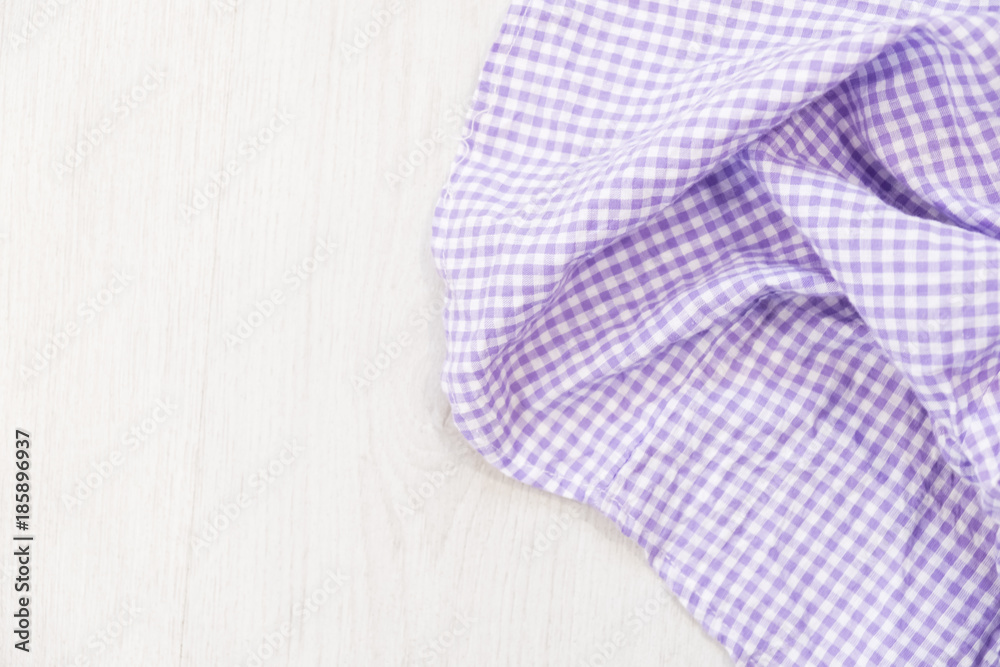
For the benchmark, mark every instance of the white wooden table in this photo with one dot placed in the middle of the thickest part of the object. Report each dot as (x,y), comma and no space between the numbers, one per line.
(202,249)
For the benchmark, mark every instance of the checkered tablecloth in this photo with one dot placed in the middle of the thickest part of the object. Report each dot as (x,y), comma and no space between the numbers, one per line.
(730,273)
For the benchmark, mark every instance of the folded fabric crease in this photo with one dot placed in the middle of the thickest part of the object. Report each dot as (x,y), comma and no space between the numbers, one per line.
(730,273)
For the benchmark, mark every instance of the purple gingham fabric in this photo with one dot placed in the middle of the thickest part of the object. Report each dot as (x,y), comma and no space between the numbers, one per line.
(730,273)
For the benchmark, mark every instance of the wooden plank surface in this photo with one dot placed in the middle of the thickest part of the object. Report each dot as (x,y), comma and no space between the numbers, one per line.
(201,249)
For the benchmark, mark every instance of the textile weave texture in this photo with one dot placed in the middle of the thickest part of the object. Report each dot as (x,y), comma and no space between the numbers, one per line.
(730,273)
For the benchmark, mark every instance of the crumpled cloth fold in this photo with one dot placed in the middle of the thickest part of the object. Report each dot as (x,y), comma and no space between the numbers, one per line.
(730,273)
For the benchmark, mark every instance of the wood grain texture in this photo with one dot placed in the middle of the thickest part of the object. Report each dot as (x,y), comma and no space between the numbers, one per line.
(201,503)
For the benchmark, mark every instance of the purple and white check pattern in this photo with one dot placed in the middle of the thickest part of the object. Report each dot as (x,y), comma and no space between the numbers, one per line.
(730,273)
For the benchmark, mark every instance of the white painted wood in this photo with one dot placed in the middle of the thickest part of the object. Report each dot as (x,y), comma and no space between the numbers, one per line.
(210,78)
